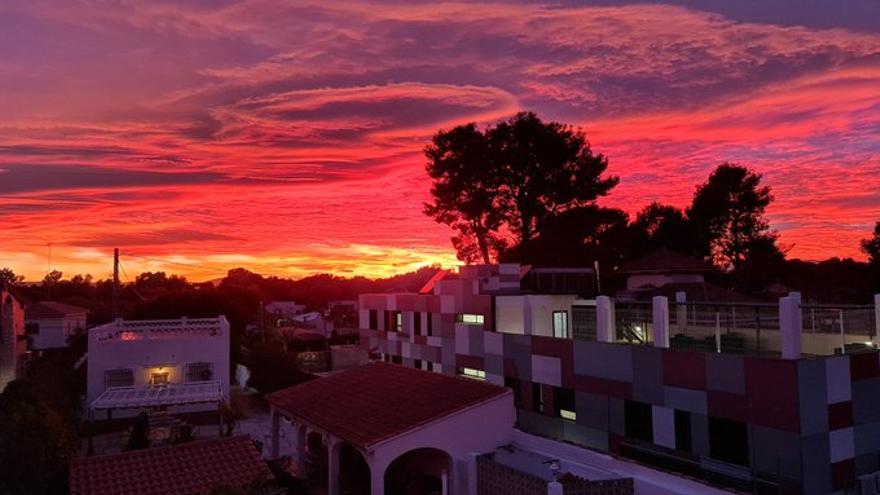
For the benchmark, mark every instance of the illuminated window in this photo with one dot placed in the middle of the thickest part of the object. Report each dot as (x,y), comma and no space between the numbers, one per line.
(473,373)
(569,415)
(470,319)
(560,324)
(118,378)
(159,378)
(199,372)
(398,321)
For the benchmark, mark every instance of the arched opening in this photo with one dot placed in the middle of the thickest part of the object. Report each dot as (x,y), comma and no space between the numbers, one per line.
(419,472)
(354,472)
(316,459)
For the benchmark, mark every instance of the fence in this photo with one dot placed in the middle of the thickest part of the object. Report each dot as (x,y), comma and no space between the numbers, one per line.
(634,322)
(751,328)
(837,329)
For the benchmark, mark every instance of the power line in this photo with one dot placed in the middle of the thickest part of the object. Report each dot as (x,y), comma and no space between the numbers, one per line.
(130,283)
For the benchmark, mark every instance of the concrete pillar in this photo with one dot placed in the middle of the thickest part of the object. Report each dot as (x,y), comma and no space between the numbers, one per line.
(604,319)
(276,426)
(377,476)
(444,482)
(332,466)
(660,320)
(554,488)
(876,338)
(790,325)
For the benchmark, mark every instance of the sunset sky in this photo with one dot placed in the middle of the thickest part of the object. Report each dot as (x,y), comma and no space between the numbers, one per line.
(287,137)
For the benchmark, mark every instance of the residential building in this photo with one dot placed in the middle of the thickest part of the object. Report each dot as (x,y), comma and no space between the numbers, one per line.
(181,365)
(754,396)
(50,324)
(195,468)
(284,310)
(383,428)
(13,342)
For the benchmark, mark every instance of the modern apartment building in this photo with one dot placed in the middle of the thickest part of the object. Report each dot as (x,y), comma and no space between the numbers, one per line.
(772,397)
(179,365)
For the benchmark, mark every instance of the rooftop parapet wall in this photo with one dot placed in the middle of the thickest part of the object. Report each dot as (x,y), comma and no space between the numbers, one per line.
(137,330)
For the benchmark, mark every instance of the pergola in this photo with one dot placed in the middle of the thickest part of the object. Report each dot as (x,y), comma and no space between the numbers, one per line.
(385,413)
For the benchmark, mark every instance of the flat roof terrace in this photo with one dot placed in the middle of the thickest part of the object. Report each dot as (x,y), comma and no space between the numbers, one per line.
(134,330)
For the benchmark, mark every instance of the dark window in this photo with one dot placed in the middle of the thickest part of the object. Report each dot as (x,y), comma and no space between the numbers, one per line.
(729,441)
(513,384)
(199,372)
(583,322)
(683,431)
(638,421)
(537,398)
(430,324)
(417,323)
(396,359)
(563,402)
(374,320)
(430,366)
(118,378)
(418,364)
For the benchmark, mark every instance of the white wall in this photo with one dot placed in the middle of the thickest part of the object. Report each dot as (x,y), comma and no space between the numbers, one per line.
(659,280)
(531,314)
(478,430)
(143,356)
(54,332)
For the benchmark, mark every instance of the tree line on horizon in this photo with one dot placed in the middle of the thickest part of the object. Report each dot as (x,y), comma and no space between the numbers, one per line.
(524,190)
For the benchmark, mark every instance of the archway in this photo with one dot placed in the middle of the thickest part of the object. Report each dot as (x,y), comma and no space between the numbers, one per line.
(354,472)
(424,471)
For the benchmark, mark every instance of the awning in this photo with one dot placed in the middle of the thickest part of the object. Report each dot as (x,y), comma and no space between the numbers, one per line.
(167,395)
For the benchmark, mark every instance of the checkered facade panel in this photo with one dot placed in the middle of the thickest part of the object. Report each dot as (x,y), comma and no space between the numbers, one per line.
(812,425)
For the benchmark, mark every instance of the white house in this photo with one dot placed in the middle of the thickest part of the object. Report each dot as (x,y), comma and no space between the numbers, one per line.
(50,324)
(179,364)
(285,309)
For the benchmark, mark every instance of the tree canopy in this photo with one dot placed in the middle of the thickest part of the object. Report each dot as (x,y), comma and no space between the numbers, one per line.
(499,186)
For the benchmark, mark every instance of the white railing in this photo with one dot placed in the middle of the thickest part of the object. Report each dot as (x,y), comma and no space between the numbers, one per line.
(121,330)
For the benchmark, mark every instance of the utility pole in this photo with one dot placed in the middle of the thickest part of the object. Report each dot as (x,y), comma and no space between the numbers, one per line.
(115,283)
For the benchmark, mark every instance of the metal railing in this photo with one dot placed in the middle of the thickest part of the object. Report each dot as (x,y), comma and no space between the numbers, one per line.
(838,328)
(742,328)
(634,322)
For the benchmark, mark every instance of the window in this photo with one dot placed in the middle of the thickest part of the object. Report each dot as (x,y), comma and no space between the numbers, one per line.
(398,321)
(417,364)
(583,322)
(513,384)
(417,323)
(374,320)
(638,421)
(32,328)
(430,319)
(563,402)
(682,431)
(199,372)
(159,378)
(430,366)
(728,441)
(470,319)
(118,378)
(473,373)
(396,359)
(560,324)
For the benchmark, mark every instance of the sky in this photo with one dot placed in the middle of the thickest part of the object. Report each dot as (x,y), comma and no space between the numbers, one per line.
(287,136)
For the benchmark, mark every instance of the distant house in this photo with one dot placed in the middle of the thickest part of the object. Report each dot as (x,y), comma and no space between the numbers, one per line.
(13,342)
(50,324)
(188,469)
(674,275)
(181,365)
(285,309)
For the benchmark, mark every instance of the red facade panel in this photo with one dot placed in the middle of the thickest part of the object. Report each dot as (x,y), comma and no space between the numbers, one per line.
(684,369)
(772,391)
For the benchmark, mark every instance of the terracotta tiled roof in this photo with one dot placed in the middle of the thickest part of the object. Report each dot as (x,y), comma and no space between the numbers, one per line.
(378,401)
(51,309)
(665,261)
(187,469)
